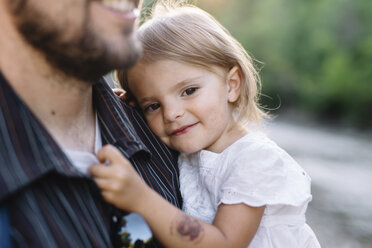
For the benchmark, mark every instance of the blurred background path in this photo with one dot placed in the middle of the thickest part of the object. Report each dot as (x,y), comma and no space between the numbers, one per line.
(339,161)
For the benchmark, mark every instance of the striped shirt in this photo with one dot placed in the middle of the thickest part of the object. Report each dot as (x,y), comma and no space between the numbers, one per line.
(51,203)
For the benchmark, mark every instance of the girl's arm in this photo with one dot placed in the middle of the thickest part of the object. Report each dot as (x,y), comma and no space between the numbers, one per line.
(233,226)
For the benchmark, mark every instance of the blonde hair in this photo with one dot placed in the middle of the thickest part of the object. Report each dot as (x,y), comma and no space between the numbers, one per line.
(187,34)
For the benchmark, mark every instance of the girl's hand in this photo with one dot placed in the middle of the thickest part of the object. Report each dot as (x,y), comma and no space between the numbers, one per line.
(119,92)
(124,96)
(234,225)
(119,182)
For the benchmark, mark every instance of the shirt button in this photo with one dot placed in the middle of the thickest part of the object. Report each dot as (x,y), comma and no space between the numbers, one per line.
(114,219)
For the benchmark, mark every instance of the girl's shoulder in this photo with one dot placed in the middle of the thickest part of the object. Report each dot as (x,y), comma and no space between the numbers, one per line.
(257,150)
(255,153)
(262,172)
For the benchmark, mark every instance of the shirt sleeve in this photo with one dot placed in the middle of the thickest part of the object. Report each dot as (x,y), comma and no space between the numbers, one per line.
(264,175)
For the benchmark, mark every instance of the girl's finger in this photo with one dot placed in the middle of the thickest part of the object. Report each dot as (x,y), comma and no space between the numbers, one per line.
(119,92)
(107,196)
(100,171)
(103,184)
(111,154)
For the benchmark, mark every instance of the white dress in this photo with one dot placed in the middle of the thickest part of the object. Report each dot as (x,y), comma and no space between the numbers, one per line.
(256,172)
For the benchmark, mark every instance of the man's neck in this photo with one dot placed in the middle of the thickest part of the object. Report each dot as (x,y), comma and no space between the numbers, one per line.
(62,103)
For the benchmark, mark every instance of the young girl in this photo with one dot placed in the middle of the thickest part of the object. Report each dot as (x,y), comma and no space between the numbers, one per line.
(198,89)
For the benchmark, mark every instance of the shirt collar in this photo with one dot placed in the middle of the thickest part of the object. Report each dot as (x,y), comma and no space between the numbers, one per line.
(116,128)
(27,150)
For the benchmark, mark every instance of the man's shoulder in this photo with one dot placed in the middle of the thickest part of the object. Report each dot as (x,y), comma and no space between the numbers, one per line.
(128,119)
(151,141)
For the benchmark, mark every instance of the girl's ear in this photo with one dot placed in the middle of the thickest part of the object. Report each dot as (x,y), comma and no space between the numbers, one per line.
(234,81)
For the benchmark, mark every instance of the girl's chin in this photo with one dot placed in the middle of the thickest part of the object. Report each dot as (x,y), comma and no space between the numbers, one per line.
(189,149)
(186,145)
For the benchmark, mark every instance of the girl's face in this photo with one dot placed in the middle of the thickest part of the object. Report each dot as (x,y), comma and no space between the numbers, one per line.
(188,107)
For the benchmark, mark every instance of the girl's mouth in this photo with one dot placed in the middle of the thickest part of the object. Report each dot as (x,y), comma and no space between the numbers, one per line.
(183,129)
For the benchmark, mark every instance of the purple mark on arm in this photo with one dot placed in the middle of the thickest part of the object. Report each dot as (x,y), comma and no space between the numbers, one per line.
(189,227)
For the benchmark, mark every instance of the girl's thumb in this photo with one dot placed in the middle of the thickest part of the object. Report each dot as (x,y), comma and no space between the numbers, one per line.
(110,154)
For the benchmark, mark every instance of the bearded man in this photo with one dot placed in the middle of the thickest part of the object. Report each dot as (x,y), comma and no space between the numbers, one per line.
(56,111)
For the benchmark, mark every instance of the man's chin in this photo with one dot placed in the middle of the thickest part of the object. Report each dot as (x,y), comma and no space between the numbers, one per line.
(91,62)
(91,71)
(130,57)
(88,55)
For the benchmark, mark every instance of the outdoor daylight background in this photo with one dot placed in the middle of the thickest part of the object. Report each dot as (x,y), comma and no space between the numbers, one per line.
(315,58)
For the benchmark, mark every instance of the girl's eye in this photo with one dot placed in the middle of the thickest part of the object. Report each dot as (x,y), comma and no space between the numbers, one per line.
(151,107)
(189,91)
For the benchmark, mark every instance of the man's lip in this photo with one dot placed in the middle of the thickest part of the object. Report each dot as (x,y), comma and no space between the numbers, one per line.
(128,15)
(183,129)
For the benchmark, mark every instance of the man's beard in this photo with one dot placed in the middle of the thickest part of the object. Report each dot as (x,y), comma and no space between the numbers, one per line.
(85,56)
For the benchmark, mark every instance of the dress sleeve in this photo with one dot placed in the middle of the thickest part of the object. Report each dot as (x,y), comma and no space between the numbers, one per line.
(264,175)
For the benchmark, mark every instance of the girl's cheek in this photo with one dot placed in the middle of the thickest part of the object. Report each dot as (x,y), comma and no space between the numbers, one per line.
(156,126)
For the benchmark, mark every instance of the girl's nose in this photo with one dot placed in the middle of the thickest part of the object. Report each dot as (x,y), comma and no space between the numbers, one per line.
(173,112)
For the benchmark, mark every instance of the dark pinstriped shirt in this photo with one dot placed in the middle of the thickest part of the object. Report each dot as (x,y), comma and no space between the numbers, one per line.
(52,204)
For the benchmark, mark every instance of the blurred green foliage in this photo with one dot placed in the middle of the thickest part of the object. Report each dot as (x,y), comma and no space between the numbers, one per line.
(316,54)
